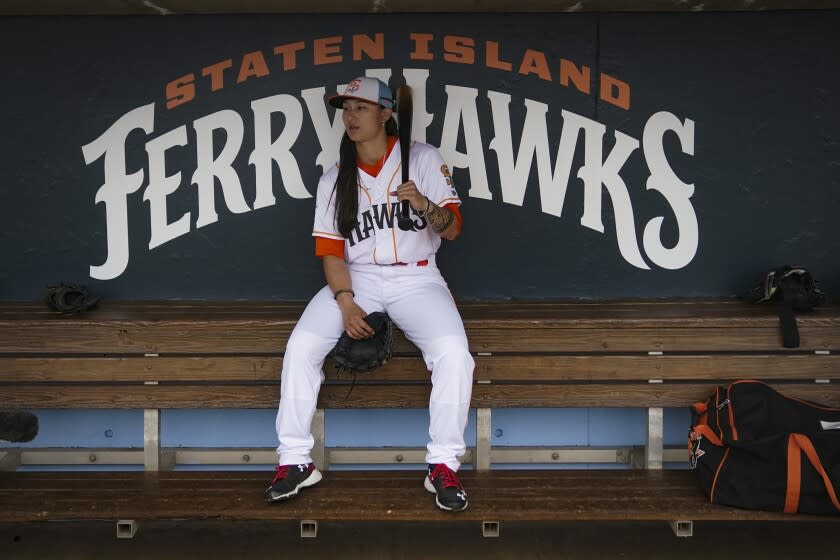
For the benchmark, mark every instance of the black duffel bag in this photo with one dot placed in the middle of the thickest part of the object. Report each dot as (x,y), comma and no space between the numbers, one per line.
(753,448)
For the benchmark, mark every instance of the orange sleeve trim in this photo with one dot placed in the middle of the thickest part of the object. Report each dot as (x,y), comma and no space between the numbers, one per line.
(454,200)
(328,235)
(325,246)
(455,210)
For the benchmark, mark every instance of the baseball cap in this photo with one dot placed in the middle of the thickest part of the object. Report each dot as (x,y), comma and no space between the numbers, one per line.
(365,89)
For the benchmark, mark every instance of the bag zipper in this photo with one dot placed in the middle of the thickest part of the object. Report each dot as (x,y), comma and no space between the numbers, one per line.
(731,412)
(728,403)
(731,409)
(717,412)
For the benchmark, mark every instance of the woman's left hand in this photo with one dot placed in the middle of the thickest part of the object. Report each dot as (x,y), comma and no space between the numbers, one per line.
(408,191)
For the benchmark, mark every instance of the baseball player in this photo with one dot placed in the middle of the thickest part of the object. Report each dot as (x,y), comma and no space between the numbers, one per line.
(371,265)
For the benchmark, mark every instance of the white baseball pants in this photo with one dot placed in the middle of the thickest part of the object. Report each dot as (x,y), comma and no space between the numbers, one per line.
(420,304)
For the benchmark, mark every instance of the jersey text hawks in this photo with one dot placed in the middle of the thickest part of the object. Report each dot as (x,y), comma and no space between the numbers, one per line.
(381,217)
(376,239)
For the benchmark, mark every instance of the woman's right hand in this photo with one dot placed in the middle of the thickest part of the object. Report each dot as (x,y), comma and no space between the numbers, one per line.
(354,318)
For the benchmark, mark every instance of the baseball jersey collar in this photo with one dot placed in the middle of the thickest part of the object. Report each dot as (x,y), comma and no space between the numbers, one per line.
(373,170)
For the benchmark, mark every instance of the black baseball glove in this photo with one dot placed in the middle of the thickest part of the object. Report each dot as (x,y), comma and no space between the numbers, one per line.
(362,355)
(795,291)
(69,298)
(18,426)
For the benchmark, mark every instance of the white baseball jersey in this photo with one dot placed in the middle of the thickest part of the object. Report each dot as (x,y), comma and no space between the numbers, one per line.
(377,239)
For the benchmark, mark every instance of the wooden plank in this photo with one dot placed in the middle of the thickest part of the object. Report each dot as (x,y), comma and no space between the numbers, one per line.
(135,337)
(623,340)
(385,396)
(668,367)
(268,337)
(506,313)
(140,368)
(383,496)
(264,327)
(624,395)
(525,367)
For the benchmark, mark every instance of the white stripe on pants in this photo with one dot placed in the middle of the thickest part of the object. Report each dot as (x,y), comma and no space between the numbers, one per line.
(418,301)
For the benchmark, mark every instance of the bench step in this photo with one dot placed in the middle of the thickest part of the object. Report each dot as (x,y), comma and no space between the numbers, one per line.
(521,495)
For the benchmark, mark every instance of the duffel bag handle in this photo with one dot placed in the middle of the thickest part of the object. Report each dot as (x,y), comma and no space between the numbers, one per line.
(798,444)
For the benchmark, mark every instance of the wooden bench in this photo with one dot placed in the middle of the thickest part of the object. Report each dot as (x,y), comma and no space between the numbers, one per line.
(208,355)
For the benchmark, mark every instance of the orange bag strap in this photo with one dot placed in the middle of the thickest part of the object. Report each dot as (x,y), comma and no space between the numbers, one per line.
(804,443)
(794,475)
(705,431)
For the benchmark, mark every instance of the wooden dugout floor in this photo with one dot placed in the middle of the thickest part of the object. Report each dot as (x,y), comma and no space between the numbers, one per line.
(522,495)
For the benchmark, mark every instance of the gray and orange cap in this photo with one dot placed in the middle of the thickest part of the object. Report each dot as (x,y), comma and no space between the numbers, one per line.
(365,89)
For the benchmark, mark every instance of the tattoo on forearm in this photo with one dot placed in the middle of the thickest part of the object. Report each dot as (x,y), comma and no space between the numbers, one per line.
(439,218)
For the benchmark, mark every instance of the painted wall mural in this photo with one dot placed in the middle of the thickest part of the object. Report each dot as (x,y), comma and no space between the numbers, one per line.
(597,156)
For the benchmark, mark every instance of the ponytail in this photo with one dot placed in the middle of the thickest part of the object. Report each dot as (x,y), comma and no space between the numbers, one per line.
(346,184)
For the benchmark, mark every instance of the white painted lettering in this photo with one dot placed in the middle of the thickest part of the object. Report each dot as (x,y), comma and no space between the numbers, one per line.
(118,185)
(280,150)
(160,186)
(677,193)
(461,108)
(222,167)
(597,171)
(329,135)
(533,142)
(214,165)
(417,79)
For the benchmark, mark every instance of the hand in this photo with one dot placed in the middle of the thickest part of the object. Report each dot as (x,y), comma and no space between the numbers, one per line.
(354,318)
(408,191)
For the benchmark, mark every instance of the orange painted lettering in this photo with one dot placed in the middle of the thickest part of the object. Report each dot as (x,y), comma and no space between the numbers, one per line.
(253,64)
(421,46)
(217,74)
(533,62)
(327,50)
(373,48)
(578,76)
(615,91)
(459,49)
(180,90)
(289,54)
(493,57)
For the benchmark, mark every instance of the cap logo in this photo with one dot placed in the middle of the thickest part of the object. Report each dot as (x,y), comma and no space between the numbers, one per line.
(353,86)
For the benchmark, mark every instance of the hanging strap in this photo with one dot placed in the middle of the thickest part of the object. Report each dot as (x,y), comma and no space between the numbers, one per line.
(787,319)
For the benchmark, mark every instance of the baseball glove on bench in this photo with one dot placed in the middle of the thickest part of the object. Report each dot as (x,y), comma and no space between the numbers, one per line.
(69,298)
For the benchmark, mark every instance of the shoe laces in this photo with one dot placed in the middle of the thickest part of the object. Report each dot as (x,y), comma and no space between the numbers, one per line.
(447,475)
(282,473)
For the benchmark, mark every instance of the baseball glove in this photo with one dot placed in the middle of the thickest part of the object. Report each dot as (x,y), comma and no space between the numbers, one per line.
(69,298)
(795,291)
(18,426)
(359,356)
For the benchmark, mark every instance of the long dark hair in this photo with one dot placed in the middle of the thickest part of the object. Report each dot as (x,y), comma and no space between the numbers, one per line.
(347,183)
